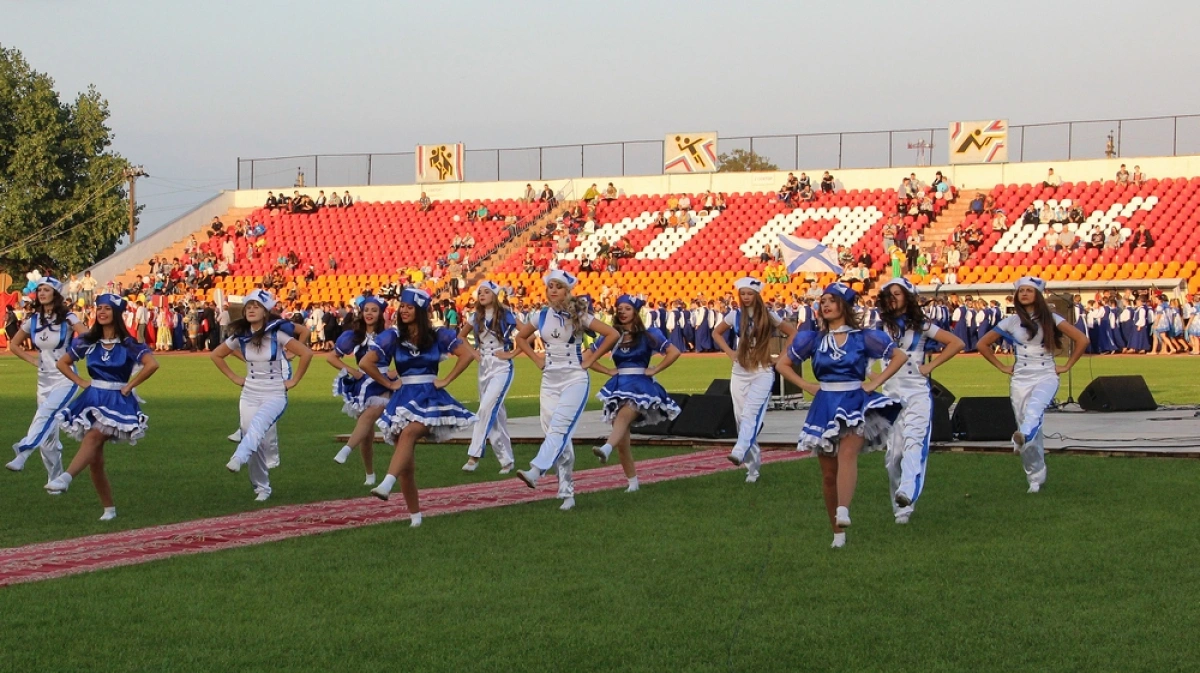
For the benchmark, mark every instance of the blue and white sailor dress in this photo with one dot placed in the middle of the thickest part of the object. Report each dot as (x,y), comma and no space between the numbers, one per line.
(632,385)
(358,394)
(418,400)
(842,406)
(1193,326)
(101,405)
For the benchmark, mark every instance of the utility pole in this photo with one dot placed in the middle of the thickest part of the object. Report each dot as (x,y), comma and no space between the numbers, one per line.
(132,174)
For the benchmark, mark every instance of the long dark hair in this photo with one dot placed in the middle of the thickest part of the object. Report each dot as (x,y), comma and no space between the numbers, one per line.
(636,328)
(754,338)
(848,314)
(914,317)
(242,328)
(58,308)
(96,333)
(500,312)
(360,325)
(1041,318)
(423,326)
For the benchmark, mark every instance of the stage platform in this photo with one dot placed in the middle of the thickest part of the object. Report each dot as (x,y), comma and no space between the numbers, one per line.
(1174,433)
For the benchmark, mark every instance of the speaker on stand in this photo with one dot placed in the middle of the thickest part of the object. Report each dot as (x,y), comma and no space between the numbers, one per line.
(1064,305)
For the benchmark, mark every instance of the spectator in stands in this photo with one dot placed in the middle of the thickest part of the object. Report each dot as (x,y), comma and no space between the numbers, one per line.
(1052,181)
(272,203)
(765,255)
(424,203)
(1122,176)
(710,201)
(610,192)
(481,213)
(807,195)
(889,233)
(977,204)
(803,181)
(1046,214)
(216,227)
(828,185)
(585,265)
(910,258)
(845,257)
(925,207)
(320,202)
(1075,215)
(672,202)
(1141,238)
(1031,216)
(1113,240)
(789,189)
(721,206)
(530,195)
(999,221)
(591,194)
(901,236)
(940,184)
(347,200)
(1138,176)
(685,202)
(548,197)
(332,263)
(1096,240)
(510,224)
(1066,240)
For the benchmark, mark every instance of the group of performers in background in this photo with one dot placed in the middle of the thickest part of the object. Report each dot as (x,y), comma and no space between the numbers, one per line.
(871,391)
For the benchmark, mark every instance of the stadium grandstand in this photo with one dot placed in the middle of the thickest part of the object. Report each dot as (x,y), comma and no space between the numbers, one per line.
(629,241)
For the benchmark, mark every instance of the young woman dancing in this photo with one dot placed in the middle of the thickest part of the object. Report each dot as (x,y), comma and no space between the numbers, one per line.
(264,346)
(565,382)
(494,327)
(363,399)
(752,378)
(419,405)
(50,329)
(108,409)
(847,415)
(1034,331)
(632,398)
(908,444)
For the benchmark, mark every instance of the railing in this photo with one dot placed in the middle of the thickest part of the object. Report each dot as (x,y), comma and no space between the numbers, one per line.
(1053,141)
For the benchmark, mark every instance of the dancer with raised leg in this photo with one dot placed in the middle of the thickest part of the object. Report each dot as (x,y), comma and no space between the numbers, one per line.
(264,346)
(565,382)
(1034,331)
(108,409)
(419,405)
(908,443)
(752,378)
(847,416)
(50,328)
(363,399)
(494,327)
(632,398)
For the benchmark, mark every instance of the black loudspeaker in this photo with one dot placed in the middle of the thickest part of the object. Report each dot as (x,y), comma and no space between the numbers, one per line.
(1117,393)
(941,392)
(708,416)
(942,430)
(984,419)
(718,387)
(664,428)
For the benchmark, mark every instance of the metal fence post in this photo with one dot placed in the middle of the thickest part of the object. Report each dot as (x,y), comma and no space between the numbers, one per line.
(582,150)
(839,151)
(497,165)
(239,173)
(316,171)
(890,164)
(622,159)
(1175,139)
(540,164)
(1022,144)
(1118,137)
(796,165)
(251,174)
(369,157)
(1070,133)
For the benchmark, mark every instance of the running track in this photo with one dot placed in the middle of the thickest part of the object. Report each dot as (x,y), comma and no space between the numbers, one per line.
(48,560)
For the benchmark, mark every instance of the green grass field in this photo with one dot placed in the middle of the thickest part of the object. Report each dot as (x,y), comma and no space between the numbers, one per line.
(699,574)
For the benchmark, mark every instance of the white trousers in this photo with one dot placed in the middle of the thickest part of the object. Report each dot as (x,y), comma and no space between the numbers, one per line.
(53,394)
(1032,390)
(494,382)
(751,392)
(908,442)
(259,411)
(564,394)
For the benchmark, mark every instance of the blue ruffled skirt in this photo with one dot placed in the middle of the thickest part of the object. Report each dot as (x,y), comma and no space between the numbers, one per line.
(118,416)
(358,394)
(423,403)
(834,414)
(651,400)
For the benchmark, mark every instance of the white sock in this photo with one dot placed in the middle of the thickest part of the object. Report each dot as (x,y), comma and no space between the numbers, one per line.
(386,485)
(567,504)
(839,540)
(110,513)
(66,478)
(534,472)
(343,454)
(606,450)
(633,485)
(414,520)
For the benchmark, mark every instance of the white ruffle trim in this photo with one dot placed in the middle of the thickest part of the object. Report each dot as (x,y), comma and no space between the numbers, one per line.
(440,428)
(873,429)
(653,410)
(78,425)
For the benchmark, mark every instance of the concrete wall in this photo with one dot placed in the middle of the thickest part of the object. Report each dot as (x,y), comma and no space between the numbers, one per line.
(965,177)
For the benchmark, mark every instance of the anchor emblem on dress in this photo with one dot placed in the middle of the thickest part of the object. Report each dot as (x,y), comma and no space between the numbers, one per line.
(556,333)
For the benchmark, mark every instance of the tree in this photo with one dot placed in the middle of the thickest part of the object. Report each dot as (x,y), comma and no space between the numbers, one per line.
(62,198)
(743,161)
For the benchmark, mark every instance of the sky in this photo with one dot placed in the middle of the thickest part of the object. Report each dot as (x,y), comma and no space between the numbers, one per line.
(193,86)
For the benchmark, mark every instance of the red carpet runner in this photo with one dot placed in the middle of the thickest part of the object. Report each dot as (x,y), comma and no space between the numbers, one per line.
(47,560)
